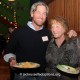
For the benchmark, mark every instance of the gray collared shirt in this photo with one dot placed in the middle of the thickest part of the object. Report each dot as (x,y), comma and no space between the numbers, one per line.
(32,27)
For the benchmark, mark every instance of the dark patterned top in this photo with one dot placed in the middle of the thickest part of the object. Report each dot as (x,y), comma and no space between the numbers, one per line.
(67,54)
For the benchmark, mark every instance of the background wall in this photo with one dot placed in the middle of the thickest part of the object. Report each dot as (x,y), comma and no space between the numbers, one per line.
(69,9)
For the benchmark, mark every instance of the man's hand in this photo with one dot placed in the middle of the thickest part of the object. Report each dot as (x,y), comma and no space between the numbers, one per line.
(12,61)
(72,33)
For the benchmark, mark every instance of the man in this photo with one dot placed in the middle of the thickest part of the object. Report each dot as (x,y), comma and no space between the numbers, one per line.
(29,43)
(62,50)
(10,30)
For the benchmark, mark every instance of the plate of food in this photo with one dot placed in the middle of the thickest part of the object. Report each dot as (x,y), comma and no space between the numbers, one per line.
(26,65)
(67,69)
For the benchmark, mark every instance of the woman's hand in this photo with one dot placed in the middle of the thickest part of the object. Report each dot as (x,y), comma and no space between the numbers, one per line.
(78,68)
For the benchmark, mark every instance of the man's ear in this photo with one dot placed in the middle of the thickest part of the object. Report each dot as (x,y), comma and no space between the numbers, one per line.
(31,14)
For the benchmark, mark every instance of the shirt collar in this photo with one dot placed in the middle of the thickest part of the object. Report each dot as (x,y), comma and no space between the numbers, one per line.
(32,27)
(61,44)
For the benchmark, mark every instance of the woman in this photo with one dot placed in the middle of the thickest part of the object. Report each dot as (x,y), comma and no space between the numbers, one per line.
(61,50)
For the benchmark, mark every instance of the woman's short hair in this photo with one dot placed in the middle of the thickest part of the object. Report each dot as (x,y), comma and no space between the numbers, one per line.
(61,20)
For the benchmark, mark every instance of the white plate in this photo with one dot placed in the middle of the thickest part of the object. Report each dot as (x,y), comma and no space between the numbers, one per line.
(67,69)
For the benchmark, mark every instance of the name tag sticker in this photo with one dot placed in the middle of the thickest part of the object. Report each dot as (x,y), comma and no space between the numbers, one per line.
(45,38)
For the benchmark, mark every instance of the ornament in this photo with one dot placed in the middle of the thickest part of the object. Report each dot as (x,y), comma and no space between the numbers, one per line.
(0,2)
(7,6)
(4,17)
(10,22)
